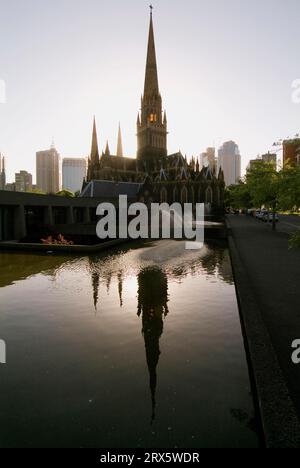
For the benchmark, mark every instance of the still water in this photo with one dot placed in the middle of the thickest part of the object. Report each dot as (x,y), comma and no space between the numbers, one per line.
(141,347)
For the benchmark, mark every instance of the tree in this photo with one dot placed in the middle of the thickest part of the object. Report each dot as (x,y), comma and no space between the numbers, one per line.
(238,196)
(65,193)
(265,187)
(289,195)
(38,191)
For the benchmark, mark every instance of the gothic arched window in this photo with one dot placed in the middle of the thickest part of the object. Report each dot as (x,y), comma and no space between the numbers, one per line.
(175,194)
(209,195)
(163,195)
(199,195)
(184,195)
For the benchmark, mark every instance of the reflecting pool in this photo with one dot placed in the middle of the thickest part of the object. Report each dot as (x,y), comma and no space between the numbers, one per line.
(140,347)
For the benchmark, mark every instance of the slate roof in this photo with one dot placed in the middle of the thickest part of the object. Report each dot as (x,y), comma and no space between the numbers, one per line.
(107,189)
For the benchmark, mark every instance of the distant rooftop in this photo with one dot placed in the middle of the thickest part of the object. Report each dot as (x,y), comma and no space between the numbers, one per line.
(110,189)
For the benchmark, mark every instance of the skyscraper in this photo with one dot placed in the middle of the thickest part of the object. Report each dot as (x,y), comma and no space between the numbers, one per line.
(229,160)
(23,181)
(269,158)
(47,170)
(2,173)
(209,159)
(291,152)
(73,173)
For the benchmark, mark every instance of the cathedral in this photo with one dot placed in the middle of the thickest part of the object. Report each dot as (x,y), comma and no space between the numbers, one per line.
(168,178)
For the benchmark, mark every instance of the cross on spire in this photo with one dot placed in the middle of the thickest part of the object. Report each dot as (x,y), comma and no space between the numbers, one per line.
(151,78)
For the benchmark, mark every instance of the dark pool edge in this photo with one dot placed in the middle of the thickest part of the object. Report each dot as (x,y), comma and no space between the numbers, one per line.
(280,423)
(70,249)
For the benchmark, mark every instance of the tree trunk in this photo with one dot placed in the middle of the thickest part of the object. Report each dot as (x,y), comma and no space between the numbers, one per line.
(274,220)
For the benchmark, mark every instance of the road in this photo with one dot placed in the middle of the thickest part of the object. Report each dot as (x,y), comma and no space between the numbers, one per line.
(288,223)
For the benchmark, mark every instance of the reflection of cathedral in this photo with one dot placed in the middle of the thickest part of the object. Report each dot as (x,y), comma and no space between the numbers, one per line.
(153,308)
(153,295)
(171,177)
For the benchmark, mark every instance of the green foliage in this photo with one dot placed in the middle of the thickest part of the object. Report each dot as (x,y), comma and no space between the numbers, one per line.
(38,191)
(289,195)
(65,193)
(264,185)
(238,196)
(276,190)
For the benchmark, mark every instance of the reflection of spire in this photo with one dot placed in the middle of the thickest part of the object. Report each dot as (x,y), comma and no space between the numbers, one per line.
(152,306)
(95,284)
(120,287)
(108,281)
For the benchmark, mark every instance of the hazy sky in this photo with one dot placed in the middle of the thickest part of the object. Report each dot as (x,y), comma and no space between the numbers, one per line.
(225,71)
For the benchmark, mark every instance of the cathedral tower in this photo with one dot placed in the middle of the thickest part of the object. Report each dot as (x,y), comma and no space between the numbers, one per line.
(151,123)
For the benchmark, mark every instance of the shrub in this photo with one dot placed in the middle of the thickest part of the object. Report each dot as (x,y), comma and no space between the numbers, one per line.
(50,240)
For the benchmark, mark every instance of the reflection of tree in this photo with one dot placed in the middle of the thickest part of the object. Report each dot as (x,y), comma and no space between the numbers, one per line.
(19,266)
(153,308)
(216,261)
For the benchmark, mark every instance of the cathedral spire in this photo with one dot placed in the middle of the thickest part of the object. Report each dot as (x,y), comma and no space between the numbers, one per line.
(120,144)
(2,172)
(165,121)
(151,78)
(95,151)
(107,150)
(151,129)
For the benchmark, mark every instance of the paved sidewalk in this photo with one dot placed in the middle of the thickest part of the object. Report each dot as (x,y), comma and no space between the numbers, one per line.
(273,273)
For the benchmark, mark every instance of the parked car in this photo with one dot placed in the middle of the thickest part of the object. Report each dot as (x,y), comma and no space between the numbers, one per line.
(261,214)
(265,216)
(268,218)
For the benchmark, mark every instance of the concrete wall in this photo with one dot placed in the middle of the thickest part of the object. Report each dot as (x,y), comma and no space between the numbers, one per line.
(14,205)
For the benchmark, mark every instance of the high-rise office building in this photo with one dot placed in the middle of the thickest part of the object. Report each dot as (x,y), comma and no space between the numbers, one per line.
(73,173)
(269,158)
(291,152)
(209,159)
(2,173)
(47,170)
(229,160)
(23,181)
